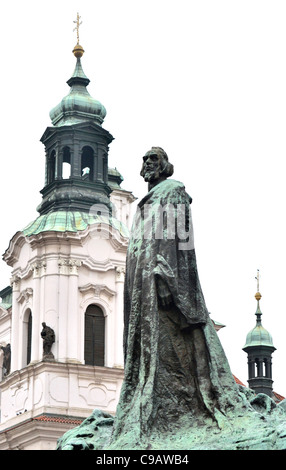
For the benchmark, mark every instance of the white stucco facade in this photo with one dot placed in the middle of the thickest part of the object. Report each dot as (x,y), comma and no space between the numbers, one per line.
(56,275)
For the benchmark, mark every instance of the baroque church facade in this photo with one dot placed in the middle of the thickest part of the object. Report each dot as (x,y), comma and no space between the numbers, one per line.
(67,275)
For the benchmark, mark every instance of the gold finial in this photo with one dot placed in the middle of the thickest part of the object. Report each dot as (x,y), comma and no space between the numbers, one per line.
(258,295)
(78,50)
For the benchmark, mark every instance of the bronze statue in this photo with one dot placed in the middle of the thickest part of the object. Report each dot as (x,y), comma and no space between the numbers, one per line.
(48,336)
(178,390)
(175,367)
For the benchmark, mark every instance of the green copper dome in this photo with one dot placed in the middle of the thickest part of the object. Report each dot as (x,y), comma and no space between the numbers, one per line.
(71,221)
(258,336)
(78,105)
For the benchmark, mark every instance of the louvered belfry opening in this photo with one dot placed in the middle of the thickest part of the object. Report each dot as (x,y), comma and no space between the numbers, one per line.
(94,336)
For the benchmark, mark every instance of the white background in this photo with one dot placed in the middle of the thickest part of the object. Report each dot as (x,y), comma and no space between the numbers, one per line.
(205,80)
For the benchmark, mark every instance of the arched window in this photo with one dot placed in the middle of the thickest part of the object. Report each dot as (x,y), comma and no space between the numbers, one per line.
(29,342)
(87,163)
(94,336)
(66,163)
(27,337)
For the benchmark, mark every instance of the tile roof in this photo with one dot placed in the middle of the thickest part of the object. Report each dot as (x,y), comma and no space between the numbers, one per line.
(238,381)
(277,396)
(59,419)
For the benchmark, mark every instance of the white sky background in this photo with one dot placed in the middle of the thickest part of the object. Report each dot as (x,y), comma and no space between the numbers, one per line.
(205,80)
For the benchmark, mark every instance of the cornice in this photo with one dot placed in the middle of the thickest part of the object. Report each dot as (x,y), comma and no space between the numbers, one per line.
(97,290)
(86,127)
(11,255)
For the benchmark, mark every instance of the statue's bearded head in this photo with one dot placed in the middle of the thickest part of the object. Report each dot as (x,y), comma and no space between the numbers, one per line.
(156,165)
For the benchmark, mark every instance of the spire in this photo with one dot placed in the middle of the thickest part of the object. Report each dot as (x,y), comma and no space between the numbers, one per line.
(258,296)
(259,348)
(76,147)
(258,336)
(78,106)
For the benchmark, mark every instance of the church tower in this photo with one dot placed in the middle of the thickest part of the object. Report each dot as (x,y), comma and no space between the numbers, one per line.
(259,348)
(76,150)
(68,270)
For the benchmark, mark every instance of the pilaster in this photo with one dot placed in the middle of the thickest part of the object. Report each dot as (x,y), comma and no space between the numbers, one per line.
(15,336)
(69,325)
(39,270)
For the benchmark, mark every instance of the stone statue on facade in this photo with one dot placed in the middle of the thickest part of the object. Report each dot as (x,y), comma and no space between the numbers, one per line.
(48,336)
(6,359)
(178,390)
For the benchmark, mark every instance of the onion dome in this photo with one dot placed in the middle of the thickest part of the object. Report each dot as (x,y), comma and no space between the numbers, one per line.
(258,336)
(78,106)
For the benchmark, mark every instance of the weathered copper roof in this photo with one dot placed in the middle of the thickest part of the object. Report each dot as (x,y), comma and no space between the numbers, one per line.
(258,336)
(78,105)
(71,221)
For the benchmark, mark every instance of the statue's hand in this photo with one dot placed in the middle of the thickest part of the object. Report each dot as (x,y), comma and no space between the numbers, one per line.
(165,298)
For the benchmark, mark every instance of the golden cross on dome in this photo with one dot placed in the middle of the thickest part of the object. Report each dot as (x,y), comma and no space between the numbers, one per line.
(257,278)
(77,26)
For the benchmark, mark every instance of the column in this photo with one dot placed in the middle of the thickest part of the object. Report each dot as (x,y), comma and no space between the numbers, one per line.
(62,311)
(251,368)
(100,158)
(73,340)
(75,159)
(268,368)
(260,368)
(36,330)
(69,322)
(59,164)
(47,168)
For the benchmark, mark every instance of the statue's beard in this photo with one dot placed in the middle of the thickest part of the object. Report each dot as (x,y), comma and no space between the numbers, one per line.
(151,175)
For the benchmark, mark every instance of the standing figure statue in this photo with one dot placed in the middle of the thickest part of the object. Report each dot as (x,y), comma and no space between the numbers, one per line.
(178,390)
(48,336)
(176,372)
(7,359)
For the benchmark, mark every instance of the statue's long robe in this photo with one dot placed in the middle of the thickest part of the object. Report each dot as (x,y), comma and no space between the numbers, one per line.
(175,367)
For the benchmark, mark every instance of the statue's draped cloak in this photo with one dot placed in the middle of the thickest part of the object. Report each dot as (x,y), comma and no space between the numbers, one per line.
(175,367)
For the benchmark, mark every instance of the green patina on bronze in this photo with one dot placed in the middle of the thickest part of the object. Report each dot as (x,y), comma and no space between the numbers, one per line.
(261,425)
(178,391)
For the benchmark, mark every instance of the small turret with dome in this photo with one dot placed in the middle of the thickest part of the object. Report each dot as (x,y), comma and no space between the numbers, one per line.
(259,347)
